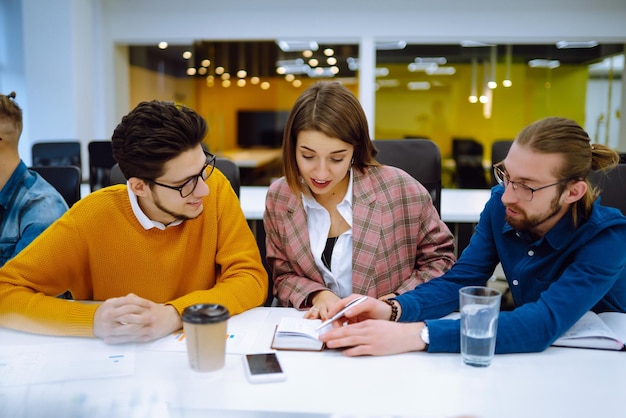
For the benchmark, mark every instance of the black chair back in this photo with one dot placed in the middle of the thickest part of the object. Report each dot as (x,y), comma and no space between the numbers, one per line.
(231,171)
(116,176)
(65,178)
(499,150)
(418,157)
(468,157)
(100,163)
(612,185)
(56,153)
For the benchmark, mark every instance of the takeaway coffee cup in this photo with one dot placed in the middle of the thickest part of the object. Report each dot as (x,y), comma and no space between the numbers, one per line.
(205,332)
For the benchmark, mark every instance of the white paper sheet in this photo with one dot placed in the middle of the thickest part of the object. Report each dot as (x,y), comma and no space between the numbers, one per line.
(53,362)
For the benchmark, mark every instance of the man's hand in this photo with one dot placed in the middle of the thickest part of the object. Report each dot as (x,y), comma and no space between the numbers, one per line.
(375,337)
(134,319)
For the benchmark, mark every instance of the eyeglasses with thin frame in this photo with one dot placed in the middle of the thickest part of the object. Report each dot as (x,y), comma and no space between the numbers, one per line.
(522,191)
(190,185)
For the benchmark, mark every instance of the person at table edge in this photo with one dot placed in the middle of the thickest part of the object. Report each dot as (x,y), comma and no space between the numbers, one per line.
(173,236)
(28,203)
(562,252)
(339,222)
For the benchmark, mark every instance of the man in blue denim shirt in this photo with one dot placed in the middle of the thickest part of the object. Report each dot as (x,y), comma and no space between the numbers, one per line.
(563,254)
(28,204)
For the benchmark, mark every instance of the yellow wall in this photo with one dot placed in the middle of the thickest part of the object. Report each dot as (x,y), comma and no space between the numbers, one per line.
(441,113)
(444,111)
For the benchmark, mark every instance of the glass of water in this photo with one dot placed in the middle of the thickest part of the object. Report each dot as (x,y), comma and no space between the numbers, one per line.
(479,308)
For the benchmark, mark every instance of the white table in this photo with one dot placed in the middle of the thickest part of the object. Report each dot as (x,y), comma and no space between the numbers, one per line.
(457,205)
(560,382)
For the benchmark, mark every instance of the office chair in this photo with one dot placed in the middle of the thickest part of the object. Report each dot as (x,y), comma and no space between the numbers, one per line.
(612,185)
(499,150)
(226,166)
(116,176)
(56,153)
(418,157)
(468,157)
(231,171)
(100,162)
(65,178)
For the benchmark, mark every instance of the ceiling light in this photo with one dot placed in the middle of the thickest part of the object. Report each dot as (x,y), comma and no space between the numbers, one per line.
(415,66)
(388,83)
(388,46)
(440,71)
(474,44)
(577,44)
(418,85)
(289,46)
(543,63)
(162,45)
(430,60)
(381,72)
(353,63)
(321,72)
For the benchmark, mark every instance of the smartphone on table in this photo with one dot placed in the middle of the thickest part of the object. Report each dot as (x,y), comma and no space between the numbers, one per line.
(263,367)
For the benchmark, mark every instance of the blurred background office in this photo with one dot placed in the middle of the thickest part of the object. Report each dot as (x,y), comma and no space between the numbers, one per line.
(421,69)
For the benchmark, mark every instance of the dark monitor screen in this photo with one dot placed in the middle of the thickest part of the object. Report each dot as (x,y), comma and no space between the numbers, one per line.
(260,128)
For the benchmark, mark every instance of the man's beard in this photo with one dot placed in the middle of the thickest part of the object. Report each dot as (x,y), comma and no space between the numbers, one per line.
(176,216)
(529,223)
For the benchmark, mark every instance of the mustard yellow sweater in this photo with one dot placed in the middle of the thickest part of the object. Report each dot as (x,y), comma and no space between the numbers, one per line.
(98,250)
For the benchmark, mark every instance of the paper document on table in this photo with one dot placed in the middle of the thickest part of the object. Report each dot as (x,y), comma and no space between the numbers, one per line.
(81,359)
(606,330)
(240,338)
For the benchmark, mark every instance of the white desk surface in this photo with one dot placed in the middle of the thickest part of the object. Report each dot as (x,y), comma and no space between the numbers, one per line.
(252,158)
(560,382)
(457,205)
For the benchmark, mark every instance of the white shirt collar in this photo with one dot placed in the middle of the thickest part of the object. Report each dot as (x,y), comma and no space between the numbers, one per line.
(143,219)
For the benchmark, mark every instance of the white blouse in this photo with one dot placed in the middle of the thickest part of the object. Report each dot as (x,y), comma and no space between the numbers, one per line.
(339,280)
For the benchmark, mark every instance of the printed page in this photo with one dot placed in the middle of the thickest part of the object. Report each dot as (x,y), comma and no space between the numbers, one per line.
(240,339)
(589,332)
(617,322)
(299,326)
(82,359)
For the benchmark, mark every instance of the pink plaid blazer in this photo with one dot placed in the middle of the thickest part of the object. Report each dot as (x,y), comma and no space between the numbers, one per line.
(399,240)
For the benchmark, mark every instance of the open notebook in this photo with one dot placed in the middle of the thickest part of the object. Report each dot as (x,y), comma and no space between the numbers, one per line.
(297,334)
(606,331)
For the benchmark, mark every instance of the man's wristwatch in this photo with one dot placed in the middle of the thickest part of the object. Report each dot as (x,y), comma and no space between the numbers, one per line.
(424,336)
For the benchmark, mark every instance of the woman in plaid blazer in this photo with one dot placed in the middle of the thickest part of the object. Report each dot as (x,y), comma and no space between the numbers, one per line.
(339,222)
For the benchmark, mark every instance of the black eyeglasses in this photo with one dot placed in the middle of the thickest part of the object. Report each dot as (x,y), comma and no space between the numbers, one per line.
(190,185)
(522,191)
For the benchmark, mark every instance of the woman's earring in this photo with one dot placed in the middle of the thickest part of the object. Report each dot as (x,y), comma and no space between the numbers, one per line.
(352,161)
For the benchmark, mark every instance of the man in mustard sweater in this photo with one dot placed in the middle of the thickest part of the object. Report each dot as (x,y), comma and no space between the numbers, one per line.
(173,236)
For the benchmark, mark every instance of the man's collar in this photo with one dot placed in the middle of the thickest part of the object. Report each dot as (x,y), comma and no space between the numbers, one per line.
(143,219)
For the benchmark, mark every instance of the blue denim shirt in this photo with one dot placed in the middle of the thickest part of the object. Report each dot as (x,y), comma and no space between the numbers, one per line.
(28,205)
(554,280)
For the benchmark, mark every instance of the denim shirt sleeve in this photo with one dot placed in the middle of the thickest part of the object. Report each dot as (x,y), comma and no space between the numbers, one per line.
(30,205)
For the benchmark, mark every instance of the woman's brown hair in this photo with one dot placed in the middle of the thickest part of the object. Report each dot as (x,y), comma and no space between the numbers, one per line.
(330,108)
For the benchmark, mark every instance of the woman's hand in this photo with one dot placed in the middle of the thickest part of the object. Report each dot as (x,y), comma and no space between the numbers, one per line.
(323,301)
